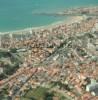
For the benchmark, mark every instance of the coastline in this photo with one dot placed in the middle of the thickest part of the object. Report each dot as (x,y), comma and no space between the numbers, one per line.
(68,20)
(50,26)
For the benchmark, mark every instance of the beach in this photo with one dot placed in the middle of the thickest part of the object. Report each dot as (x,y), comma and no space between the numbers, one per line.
(18,15)
(73,15)
(66,21)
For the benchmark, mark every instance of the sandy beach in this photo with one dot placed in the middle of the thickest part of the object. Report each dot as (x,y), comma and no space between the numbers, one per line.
(71,19)
(53,25)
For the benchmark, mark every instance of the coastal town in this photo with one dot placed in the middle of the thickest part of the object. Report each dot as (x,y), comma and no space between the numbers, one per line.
(60,59)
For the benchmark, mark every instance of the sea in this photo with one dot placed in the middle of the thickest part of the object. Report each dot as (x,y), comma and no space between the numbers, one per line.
(19,14)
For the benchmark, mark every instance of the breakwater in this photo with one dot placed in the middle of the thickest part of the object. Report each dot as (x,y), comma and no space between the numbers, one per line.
(90,11)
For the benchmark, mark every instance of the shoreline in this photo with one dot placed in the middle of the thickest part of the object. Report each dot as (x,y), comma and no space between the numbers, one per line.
(35,28)
(50,26)
(67,20)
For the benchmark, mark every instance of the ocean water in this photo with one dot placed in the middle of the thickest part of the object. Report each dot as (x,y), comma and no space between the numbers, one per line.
(18,14)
